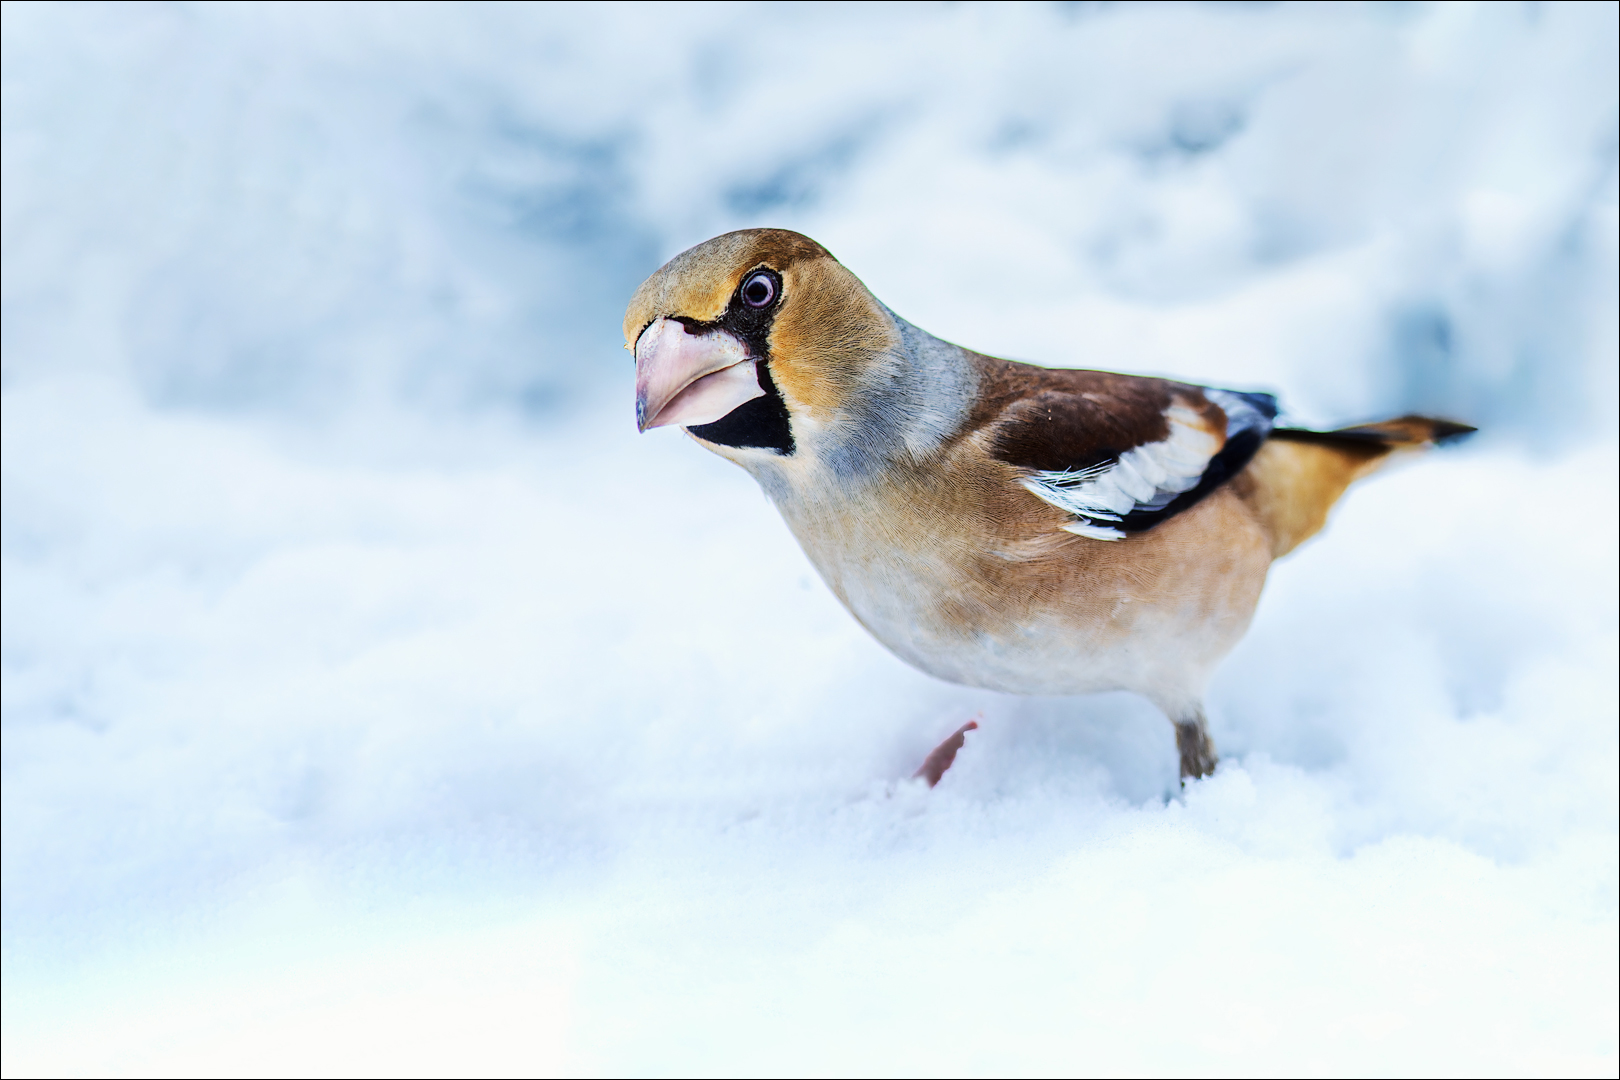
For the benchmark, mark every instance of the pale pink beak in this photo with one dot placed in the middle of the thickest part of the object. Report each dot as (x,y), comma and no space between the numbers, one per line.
(688,379)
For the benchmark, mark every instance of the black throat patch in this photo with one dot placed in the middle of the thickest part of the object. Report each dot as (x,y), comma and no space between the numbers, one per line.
(760,422)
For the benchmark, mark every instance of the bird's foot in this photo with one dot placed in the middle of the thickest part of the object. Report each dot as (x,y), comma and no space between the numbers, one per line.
(940,757)
(1198,756)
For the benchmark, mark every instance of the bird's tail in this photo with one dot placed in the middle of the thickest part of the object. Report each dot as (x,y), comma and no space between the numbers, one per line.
(1297,475)
(1406,432)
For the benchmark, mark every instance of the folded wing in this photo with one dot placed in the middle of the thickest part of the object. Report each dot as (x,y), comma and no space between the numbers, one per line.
(1122,453)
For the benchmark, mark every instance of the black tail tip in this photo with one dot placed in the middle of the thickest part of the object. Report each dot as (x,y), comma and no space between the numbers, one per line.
(1447,431)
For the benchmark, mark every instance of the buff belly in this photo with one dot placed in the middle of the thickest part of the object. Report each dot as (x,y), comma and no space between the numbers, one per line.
(1153,613)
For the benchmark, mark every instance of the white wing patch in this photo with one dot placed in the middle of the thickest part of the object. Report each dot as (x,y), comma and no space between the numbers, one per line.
(1146,477)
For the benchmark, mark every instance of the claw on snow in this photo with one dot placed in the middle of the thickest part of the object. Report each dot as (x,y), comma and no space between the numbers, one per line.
(941,757)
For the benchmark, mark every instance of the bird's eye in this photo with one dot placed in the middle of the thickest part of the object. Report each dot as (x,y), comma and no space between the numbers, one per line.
(759,290)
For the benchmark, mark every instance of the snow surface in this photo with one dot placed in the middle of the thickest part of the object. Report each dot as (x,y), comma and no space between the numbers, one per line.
(375,700)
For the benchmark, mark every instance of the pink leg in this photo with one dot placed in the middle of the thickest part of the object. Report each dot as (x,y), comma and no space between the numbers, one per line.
(940,758)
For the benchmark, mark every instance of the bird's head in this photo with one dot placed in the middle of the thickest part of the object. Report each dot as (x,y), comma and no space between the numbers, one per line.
(752,341)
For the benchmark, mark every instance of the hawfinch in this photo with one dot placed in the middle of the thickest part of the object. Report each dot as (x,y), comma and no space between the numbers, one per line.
(1026,529)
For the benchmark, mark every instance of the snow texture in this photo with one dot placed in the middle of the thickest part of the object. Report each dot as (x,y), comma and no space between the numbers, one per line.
(360,717)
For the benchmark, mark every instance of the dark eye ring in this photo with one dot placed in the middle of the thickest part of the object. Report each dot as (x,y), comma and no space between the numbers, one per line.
(759,290)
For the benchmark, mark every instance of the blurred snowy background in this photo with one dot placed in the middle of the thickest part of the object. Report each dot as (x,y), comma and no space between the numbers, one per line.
(376,700)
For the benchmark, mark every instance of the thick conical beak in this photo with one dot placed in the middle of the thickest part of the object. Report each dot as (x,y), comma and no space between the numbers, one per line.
(688,379)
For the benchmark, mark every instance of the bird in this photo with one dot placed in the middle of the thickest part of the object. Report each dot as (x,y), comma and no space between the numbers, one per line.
(1032,530)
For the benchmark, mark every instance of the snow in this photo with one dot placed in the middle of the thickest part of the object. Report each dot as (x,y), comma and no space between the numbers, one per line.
(376,700)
